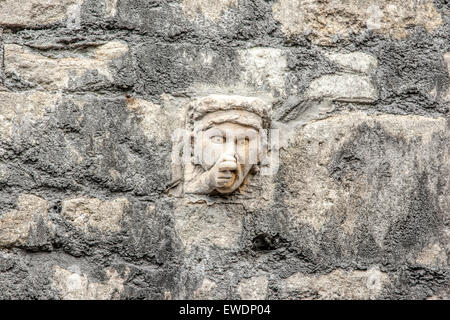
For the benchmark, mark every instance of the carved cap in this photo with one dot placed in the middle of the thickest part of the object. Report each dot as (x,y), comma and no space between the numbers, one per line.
(200,107)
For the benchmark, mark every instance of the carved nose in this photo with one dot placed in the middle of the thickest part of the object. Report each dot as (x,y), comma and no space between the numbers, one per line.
(231,150)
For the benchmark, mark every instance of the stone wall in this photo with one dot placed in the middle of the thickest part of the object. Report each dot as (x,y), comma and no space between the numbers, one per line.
(91,91)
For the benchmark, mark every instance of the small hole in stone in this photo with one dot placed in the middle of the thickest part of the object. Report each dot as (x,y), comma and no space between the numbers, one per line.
(57,207)
(265,241)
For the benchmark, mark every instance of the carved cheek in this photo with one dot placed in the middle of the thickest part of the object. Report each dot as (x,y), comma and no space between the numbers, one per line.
(242,151)
(248,152)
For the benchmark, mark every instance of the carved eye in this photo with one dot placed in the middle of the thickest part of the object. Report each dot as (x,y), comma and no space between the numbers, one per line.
(218,139)
(242,142)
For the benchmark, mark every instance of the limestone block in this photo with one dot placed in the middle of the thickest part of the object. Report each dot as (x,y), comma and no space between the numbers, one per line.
(200,225)
(342,87)
(212,10)
(324,19)
(205,291)
(264,68)
(370,170)
(110,8)
(339,284)
(352,82)
(64,72)
(447,61)
(158,122)
(74,285)
(33,13)
(254,288)
(354,62)
(19,110)
(29,224)
(86,213)
(433,255)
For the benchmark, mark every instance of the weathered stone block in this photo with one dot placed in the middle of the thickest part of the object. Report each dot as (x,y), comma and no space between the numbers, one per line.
(447,61)
(433,255)
(339,284)
(20,110)
(34,13)
(352,81)
(200,225)
(177,68)
(74,285)
(103,216)
(212,10)
(72,71)
(205,291)
(354,62)
(384,174)
(157,122)
(322,20)
(343,87)
(28,225)
(254,288)
(264,69)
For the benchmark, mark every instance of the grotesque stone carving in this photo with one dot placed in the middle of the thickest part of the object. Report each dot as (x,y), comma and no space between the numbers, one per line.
(226,140)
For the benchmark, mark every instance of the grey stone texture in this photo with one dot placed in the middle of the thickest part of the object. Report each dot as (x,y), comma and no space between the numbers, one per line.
(91,91)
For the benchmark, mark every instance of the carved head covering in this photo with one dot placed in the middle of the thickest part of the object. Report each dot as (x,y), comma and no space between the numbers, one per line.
(214,109)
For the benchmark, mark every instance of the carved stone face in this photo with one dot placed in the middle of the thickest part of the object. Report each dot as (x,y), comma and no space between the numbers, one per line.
(228,151)
(228,136)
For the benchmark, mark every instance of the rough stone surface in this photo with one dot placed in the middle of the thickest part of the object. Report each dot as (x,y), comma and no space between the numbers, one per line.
(105,216)
(91,91)
(433,255)
(358,169)
(33,13)
(21,110)
(157,122)
(28,225)
(205,291)
(264,67)
(346,88)
(214,226)
(339,284)
(447,61)
(212,10)
(357,62)
(352,83)
(325,19)
(76,286)
(47,72)
(254,288)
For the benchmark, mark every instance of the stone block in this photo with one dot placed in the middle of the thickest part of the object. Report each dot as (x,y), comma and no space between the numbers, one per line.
(35,13)
(28,225)
(91,69)
(254,288)
(337,285)
(322,20)
(87,213)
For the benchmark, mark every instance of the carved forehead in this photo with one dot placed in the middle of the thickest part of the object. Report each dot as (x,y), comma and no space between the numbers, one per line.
(232,129)
(231,104)
(237,117)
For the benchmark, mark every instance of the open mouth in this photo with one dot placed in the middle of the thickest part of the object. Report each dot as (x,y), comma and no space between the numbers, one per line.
(232,180)
(231,185)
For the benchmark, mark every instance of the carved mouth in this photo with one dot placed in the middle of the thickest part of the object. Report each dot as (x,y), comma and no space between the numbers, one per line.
(231,185)
(232,180)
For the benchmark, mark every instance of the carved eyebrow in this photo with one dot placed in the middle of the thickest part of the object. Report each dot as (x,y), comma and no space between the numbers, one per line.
(214,122)
(249,133)
(218,130)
